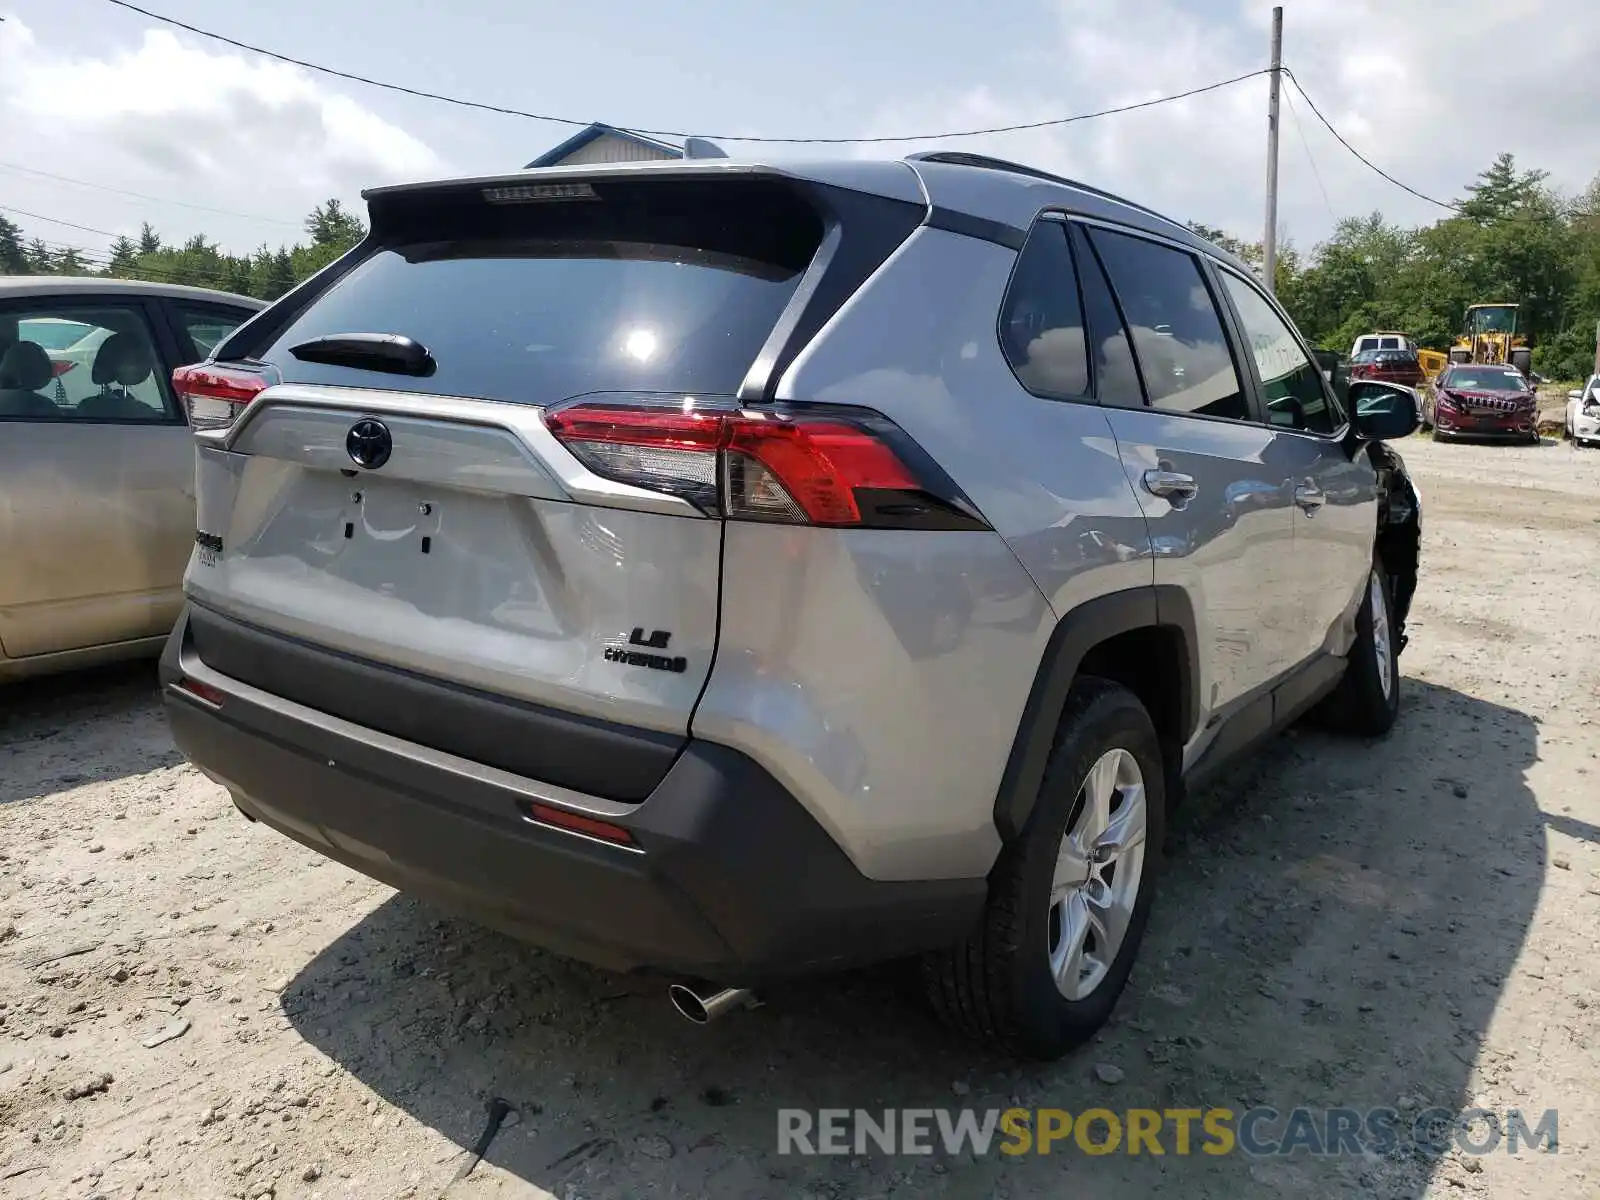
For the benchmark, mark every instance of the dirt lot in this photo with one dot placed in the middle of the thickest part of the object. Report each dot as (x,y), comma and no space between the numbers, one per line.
(1407,924)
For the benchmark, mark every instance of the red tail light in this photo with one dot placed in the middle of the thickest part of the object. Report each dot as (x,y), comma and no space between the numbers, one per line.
(215,396)
(60,367)
(824,466)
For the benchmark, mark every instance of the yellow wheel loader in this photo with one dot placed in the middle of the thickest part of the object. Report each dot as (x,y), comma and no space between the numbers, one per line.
(1491,337)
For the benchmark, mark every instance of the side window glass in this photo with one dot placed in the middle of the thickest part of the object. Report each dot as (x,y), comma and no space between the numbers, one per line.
(1116,378)
(1291,383)
(1176,329)
(96,362)
(206,327)
(1041,321)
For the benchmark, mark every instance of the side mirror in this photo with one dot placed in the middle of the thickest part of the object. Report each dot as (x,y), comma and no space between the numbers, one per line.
(1383,411)
(1575,394)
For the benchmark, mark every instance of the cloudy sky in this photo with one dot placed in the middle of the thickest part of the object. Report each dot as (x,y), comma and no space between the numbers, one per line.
(240,147)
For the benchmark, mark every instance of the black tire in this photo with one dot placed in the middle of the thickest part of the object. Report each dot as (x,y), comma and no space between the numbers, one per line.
(997,986)
(1360,705)
(1522,359)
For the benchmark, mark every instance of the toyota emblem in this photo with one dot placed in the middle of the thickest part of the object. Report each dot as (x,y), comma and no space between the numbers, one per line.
(369,443)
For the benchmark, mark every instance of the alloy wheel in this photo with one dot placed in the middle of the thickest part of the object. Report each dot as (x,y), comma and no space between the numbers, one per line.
(1098,871)
(1380,634)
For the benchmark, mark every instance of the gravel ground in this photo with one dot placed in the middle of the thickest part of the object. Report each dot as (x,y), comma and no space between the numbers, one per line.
(1404,924)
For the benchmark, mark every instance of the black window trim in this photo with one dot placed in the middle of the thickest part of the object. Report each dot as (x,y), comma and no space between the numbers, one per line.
(1341,429)
(1078,235)
(1090,397)
(161,341)
(1244,373)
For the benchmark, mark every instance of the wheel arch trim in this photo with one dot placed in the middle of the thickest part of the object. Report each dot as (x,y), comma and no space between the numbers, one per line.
(1075,635)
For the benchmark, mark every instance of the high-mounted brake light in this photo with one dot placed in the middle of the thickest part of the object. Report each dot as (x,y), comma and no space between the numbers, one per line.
(215,396)
(533,193)
(829,466)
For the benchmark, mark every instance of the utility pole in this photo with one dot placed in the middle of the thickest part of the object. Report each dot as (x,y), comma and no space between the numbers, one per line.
(1269,240)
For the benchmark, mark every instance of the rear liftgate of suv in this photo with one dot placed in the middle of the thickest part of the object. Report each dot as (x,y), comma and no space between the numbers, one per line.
(468,490)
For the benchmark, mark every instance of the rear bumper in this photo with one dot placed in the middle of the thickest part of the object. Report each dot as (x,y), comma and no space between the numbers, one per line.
(730,879)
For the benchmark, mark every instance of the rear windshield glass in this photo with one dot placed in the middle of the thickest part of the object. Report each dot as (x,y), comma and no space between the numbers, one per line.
(534,303)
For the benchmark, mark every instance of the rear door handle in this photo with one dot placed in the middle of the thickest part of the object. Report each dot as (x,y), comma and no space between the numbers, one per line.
(1309,497)
(1171,485)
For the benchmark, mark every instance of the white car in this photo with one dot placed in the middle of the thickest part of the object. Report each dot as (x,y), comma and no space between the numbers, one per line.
(1583,413)
(1381,341)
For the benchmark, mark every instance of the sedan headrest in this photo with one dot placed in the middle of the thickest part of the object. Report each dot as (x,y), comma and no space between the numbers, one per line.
(26,367)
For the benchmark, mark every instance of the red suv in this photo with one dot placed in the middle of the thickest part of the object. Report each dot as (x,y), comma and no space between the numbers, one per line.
(1481,401)
(1391,366)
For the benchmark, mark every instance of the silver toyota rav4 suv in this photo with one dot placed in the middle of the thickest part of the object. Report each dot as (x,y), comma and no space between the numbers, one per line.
(737,571)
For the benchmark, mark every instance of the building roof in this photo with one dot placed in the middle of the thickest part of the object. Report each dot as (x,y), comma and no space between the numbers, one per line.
(557,154)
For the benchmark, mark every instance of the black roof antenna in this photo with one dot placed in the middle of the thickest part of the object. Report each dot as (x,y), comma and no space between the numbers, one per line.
(698,147)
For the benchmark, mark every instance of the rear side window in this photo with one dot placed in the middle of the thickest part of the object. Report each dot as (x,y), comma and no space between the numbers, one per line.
(1176,329)
(206,325)
(90,363)
(670,290)
(1041,323)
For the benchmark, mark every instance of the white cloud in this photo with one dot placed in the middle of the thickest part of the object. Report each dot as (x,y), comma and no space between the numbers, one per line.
(170,118)
(1431,95)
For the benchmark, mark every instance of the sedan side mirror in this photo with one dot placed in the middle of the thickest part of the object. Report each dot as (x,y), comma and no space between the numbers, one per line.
(1384,411)
(1575,394)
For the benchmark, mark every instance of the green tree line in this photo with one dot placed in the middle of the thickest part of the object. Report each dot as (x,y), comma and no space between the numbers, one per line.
(1511,239)
(266,273)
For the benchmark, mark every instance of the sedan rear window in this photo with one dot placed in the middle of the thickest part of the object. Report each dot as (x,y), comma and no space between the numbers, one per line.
(535,303)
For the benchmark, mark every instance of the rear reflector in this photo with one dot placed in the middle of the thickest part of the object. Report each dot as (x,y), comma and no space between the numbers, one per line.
(214,396)
(202,691)
(560,818)
(823,466)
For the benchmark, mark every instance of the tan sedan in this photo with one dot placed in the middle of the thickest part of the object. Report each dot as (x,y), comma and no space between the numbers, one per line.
(96,463)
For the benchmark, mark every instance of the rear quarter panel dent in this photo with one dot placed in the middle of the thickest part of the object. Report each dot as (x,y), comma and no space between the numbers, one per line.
(880,675)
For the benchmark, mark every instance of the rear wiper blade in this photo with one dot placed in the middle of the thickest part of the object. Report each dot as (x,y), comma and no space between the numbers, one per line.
(391,352)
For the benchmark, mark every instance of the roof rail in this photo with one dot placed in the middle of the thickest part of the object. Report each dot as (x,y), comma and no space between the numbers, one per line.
(961,158)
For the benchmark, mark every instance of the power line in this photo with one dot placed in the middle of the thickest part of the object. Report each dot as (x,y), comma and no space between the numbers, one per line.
(22,212)
(1312,162)
(1405,187)
(225,212)
(673,133)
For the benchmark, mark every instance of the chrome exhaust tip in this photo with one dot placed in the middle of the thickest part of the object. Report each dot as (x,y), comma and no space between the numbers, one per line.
(702,1009)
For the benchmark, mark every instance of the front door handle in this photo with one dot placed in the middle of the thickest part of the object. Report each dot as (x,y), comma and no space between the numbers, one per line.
(1310,498)
(1171,485)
